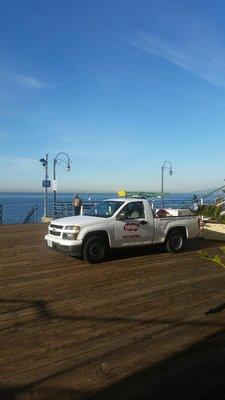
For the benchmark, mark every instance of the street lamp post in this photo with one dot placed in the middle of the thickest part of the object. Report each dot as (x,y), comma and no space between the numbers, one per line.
(57,160)
(44,162)
(166,165)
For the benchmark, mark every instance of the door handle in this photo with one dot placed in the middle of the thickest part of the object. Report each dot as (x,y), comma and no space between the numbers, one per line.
(143,222)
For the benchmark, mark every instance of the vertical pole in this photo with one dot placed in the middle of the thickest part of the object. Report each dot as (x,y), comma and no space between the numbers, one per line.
(162,203)
(46,189)
(54,191)
(36,209)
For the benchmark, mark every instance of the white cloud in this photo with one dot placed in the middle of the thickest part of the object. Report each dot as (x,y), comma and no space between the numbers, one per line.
(29,81)
(186,92)
(206,62)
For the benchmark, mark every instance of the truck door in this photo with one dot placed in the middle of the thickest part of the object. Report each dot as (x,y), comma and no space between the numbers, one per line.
(131,226)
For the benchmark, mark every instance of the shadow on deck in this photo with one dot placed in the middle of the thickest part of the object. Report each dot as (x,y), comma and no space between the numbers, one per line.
(195,373)
(191,246)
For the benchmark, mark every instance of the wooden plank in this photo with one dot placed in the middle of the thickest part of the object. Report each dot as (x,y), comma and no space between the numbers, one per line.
(129,328)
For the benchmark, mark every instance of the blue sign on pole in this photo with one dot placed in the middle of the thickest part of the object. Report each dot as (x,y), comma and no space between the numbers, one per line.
(46,183)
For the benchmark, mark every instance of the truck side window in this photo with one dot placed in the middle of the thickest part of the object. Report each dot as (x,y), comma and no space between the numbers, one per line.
(134,210)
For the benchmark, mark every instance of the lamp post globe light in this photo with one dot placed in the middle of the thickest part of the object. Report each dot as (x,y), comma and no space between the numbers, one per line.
(166,166)
(56,161)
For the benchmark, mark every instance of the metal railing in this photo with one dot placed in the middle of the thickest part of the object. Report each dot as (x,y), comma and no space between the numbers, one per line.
(87,205)
(31,216)
(21,212)
(66,209)
(63,209)
(202,198)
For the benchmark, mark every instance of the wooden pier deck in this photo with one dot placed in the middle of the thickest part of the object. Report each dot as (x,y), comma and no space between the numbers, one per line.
(134,327)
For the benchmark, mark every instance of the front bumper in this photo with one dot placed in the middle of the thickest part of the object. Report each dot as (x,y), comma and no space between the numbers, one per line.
(67,248)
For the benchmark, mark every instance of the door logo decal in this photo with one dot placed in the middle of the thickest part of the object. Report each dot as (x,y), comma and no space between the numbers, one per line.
(134,226)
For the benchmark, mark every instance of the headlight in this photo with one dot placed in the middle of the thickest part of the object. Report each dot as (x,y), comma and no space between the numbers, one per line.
(70,236)
(74,228)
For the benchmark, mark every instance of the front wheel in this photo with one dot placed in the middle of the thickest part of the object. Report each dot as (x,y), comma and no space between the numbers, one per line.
(175,241)
(94,249)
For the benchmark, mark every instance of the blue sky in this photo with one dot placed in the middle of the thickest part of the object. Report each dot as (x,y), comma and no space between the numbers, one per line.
(121,86)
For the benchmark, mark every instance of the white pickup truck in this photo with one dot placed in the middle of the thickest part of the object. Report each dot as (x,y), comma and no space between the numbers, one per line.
(117,223)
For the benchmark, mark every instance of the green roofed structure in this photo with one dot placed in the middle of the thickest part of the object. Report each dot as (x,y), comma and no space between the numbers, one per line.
(124,193)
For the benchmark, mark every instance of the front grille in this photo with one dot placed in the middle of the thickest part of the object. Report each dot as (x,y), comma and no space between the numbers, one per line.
(56,226)
(55,233)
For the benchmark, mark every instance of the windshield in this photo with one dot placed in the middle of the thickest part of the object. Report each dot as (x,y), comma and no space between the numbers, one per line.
(105,209)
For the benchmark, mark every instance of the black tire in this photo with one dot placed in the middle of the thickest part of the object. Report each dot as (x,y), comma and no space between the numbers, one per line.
(94,250)
(175,241)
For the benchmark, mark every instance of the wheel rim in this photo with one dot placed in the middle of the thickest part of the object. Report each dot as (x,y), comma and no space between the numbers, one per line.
(95,249)
(176,242)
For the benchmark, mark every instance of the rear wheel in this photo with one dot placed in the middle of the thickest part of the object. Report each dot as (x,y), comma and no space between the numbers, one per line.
(175,241)
(95,249)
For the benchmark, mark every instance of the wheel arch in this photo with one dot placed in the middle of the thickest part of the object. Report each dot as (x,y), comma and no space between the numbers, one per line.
(179,228)
(102,233)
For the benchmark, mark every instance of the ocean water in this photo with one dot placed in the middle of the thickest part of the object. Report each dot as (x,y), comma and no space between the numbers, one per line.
(15,206)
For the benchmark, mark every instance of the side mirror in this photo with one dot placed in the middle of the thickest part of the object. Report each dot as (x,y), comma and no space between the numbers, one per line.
(121,216)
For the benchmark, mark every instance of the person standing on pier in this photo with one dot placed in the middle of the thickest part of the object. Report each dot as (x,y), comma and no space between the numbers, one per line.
(77,203)
(195,206)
